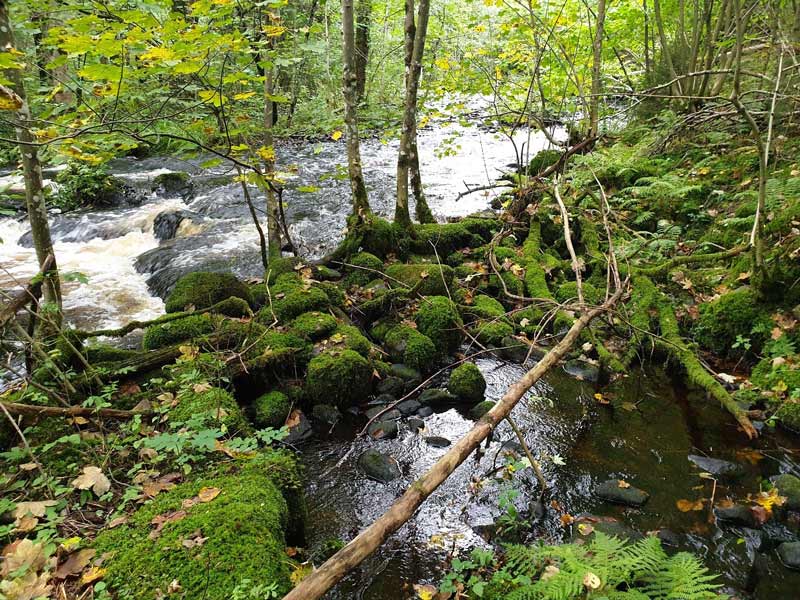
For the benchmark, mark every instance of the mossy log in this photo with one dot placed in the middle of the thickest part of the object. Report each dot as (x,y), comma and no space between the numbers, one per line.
(662,270)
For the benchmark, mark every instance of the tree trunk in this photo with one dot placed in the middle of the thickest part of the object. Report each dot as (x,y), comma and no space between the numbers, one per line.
(647,68)
(421,208)
(363,23)
(273,216)
(415,40)
(34,185)
(360,201)
(677,88)
(597,63)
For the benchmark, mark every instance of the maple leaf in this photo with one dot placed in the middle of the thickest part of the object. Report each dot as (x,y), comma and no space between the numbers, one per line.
(769,499)
(92,477)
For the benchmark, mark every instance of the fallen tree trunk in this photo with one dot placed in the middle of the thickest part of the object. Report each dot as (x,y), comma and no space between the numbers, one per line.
(365,543)
(15,408)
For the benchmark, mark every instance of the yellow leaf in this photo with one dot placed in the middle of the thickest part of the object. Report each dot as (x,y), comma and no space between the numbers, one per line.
(273,30)
(9,100)
(207,494)
(336,135)
(425,592)
(92,575)
(267,154)
(157,55)
(689,505)
(243,95)
(300,572)
(591,581)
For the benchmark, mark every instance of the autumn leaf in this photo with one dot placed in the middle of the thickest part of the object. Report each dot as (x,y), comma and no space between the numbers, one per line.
(622,484)
(207,494)
(336,135)
(769,499)
(161,520)
(425,592)
(300,572)
(690,505)
(93,478)
(750,455)
(585,529)
(591,581)
(75,563)
(567,519)
(92,575)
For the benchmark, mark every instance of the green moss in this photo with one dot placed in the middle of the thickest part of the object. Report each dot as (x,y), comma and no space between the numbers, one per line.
(276,341)
(542,160)
(271,409)
(728,317)
(214,404)
(294,302)
(281,266)
(438,319)
(435,279)
(410,347)
(766,376)
(380,237)
(381,329)
(569,292)
(352,339)
(371,266)
(342,378)
(454,259)
(314,325)
(483,307)
(101,353)
(535,276)
(491,333)
(326,273)
(480,409)
(234,307)
(176,331)
(446,237)
(334,293)
(527,320)
(244,526)
(789,415)
(467,382)
(202,289)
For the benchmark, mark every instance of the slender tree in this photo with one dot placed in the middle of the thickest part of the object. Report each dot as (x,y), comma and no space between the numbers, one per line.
(363,24)
(415,41)
(14,99)
(597,65)
(268,154)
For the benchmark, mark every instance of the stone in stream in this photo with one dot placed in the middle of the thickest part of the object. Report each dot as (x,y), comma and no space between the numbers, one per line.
(718,468)
(480,409)
(788,486)
(392,385)
(618,492)
(416,424)
(300,432)
(515,350)
(789,553)
(405,373)
(514,447)
(383,430)
(383,400)
(582,370)
(378,466)
(173,184)
(467,383)
(390,415)
(737,515)
(165,225)
(425,411)
(326,413)
(437,441)
(435,396)
(408,407)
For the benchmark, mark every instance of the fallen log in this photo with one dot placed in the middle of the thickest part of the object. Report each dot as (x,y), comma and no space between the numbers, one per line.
(369,540)
(16,408)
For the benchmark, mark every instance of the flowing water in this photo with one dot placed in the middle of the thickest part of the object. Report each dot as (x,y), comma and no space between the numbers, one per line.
(643,437)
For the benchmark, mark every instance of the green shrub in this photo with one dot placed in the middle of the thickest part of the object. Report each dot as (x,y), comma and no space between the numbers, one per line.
(438,318)
(81,185)
(179,330)
(203,289)
(271,409)
(467,382)
(341,378)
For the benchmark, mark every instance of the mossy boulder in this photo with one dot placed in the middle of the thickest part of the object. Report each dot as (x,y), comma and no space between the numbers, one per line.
(467,383)
(352,339)
(271,409)
(341,378)
(789,487)
(103,353)
(296,300)
(202,289)
(480,409)
(281,266)
(363,268)
(789,415)
(236,308)
(177,183)
(408,346)
(244,528)
(449,237)
(213,405)
(767,375)
(542,160)
(314,325)
(482,307)
(732,315)
(438,318)
(179,330)
(434,279)
(491,333)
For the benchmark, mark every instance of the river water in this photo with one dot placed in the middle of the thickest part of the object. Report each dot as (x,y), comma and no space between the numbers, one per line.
(128,272)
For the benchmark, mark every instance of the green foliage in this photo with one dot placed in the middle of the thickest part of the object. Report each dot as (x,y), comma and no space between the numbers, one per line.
(203,289)
(341,378)
(81,185)
(467,382)
(438,319)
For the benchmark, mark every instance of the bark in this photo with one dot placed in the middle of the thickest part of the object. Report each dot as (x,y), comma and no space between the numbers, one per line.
(273,216)
(15,408)
(597,64)
(665,50)
(421,208)
(363,23)
(34,185)
(299,69)
(336,567)
(647,67)
(415,41)
(359,190)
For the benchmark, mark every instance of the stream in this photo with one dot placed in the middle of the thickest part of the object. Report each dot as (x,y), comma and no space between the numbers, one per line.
(643,436)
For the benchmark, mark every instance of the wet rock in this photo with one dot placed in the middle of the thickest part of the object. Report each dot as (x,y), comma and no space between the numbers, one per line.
(390,415)
(477,411)
(326,413)
(416,423)
(300,432)
(737,515)
(378,466)
(392,385)
(383,430)
(437,441)
(408,407)
(171,185)
(166,224)
(538,510)
(467,383)
(425,411)
(610,491)
(435,397)
(514,447)
(582,370)
(669,538)
(383,400)
(513,349)
(789,486)
(717,467)
(789,553)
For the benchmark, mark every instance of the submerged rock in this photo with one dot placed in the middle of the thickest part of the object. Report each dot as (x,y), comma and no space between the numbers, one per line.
(166,224)
(383,430)
(582,370)
(435,396)
(390,415)
(437,441)
(737,514)
(717,467)
(378,466)
(789,553)
(627,495)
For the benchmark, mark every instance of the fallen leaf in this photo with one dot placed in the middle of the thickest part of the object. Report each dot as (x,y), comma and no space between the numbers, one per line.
(601,399)
(199,388)
(293,420)
(26,524)
(690,505)
(621,483)
(549,572)
(425,592)
(750,455)
(22,553)
(93,478)
(161,520)
(567,519)
(116,522)
(174,587)
(729,379)
(591,581)
(151,489)
(629,406)
(194,541)
(585,529)
(30,466)
(75,563)
(760,514)
(207,494)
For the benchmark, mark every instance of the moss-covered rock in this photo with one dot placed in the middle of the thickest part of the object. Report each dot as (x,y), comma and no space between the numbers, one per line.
(491,333)
(365,267)
(342,378)
(438,319)
(314,325)
(449,237)
(289,304)
(569,292)
(435,279)
(244,529)
(271,409)
(789,415)
(103,353)
(177,183)
(214,405)
(408,346)
(480,409)
(767,375)
(335,294)
(236,308)
(281,266)
(467,382)
(482,307)
(732,315)
(179,330)
(202,289)
(352,339)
